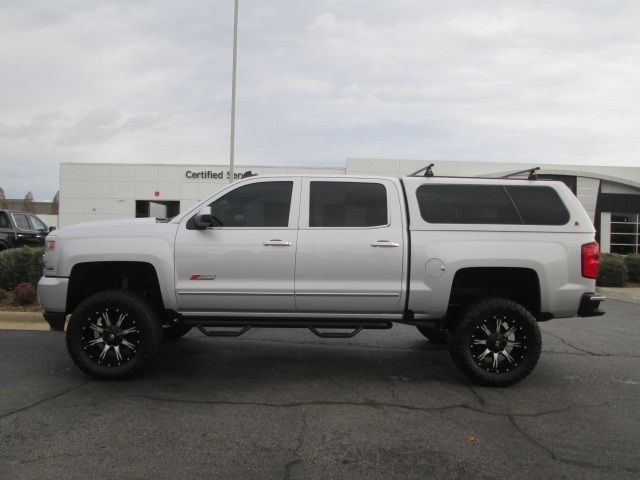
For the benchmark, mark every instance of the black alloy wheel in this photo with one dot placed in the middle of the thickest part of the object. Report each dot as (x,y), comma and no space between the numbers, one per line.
(497,343)
(113,334)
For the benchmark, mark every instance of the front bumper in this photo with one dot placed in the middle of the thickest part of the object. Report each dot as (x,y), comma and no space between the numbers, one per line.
(52,295)
(589,305)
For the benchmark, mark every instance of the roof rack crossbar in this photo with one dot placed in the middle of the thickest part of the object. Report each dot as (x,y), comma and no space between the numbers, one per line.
(428,171)
(530,171)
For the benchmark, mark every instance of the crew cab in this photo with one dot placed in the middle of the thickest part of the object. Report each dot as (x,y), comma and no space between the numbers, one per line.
(476,263)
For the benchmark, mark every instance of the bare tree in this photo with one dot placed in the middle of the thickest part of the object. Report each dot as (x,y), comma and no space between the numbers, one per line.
(55,205)
(3,199)
(27,203)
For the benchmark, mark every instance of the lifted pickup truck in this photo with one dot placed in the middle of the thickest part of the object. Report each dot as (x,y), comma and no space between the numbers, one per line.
(476,263)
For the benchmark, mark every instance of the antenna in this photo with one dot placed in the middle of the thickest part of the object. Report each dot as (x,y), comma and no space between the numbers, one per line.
(428,171)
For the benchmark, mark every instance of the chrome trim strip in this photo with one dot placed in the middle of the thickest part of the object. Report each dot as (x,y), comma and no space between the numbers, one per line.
(279,294)
(340,294)
(244,294)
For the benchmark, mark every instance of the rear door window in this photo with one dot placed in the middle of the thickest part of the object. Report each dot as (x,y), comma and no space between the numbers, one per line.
(347,204)
(21,221)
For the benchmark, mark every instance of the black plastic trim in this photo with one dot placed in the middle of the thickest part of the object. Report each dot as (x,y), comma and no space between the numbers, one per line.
(55,320)
(408,247)
(235,322)
(589,305)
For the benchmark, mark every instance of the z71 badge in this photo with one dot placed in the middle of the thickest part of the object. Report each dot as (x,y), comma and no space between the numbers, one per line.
(202,276)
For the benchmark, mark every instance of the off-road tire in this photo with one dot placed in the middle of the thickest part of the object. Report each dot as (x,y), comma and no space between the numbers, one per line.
(145,336)
(467,349)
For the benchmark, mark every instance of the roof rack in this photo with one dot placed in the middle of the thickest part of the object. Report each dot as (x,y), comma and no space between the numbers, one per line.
(530,171)
(428,172)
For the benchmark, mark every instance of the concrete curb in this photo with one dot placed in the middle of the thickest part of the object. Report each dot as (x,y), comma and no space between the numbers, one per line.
(626,294)
(22,321)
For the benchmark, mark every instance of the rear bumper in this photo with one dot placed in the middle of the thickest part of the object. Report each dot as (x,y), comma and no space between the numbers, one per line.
(589,305)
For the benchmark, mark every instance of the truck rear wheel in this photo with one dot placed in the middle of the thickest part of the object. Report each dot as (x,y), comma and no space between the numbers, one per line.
(113,334)
(497,343)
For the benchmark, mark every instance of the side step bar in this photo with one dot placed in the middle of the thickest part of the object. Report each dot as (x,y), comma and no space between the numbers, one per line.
(211,326)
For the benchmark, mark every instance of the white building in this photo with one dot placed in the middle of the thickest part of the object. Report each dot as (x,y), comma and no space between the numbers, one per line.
(91,192)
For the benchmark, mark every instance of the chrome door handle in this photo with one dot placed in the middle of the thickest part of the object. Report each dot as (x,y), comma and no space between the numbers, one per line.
(276,243)
(385,243)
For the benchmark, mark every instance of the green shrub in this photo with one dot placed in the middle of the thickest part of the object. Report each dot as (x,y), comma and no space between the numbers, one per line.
(20,265)
(613,271)
(633,267)
(25,294)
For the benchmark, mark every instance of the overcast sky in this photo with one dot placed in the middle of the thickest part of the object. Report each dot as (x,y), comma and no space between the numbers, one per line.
(318,81)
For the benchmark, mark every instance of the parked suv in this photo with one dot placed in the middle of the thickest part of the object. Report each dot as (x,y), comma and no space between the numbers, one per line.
(19,229)
(476,263)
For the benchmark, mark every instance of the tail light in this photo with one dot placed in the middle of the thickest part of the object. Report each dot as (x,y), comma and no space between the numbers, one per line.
(590,260)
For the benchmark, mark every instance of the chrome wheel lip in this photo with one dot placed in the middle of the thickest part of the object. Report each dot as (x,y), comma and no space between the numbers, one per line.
(110,337)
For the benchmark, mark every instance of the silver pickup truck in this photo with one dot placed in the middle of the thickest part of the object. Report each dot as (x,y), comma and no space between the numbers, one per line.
(475,263)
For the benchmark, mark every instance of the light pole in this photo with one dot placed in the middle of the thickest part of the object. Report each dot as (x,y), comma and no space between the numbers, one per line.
(233,90)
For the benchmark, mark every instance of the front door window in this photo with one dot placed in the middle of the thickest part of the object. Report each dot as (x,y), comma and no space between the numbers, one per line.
(259,205)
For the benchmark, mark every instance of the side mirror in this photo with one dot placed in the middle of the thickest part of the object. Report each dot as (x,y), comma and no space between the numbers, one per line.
(52,228)
(205,219)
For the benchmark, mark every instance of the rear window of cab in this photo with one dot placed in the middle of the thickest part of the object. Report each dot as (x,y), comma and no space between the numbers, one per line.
(491,204)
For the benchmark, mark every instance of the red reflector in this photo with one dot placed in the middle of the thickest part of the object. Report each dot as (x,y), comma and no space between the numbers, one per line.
(591,260)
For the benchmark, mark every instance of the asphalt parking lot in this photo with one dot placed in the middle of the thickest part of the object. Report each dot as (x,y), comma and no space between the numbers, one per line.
(285,404)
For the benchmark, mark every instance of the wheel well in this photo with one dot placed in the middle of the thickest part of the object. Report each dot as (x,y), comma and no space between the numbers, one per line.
(472,284)
(89,278)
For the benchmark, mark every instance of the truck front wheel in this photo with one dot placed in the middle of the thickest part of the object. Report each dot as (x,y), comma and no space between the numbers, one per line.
(113,334)
(497,343)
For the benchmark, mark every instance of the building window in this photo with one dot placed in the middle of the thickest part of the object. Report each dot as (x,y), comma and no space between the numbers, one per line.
(625,233)
(156,208)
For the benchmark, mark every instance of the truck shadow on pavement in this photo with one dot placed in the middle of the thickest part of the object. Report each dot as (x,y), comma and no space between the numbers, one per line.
(283,359)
